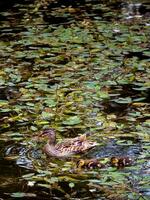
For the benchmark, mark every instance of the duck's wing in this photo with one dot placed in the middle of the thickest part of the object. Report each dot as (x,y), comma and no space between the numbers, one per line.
(67,145)
(69,149)
(71,142)
(74,147)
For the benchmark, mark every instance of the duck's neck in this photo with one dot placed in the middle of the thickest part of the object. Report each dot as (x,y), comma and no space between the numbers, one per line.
(52,141)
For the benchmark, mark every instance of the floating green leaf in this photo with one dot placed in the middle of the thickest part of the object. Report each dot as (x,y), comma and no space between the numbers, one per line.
(72,120)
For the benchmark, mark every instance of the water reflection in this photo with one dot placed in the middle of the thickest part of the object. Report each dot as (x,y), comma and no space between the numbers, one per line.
(17,24)
(131,10)
(10,175)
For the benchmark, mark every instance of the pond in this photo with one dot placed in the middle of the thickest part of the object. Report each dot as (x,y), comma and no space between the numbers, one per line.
(75,66)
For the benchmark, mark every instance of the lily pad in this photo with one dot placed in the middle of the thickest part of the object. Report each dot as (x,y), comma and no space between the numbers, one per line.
(72,120)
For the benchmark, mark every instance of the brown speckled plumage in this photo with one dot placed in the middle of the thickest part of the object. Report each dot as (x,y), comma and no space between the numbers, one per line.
(68,147)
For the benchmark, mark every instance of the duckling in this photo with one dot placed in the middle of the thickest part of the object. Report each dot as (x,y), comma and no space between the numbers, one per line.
(89,164)
(120,162)
(67,147)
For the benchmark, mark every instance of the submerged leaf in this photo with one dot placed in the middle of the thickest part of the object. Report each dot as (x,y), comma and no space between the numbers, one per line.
(22,194)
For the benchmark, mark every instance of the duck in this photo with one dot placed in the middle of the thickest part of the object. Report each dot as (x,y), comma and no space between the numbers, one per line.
(67,147)
(121,162)
(89,164)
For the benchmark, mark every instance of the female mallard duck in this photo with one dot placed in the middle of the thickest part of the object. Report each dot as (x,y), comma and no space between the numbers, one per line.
(68,147)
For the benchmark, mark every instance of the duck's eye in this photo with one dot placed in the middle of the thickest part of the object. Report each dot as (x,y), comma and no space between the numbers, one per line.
(46,133)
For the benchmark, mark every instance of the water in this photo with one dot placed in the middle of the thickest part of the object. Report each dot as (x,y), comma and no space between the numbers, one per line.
(37,58)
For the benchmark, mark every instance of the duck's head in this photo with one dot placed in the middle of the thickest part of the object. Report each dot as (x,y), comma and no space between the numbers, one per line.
(50,135)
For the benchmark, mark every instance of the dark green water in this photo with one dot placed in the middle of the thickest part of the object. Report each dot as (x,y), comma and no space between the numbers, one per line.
(75,66)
